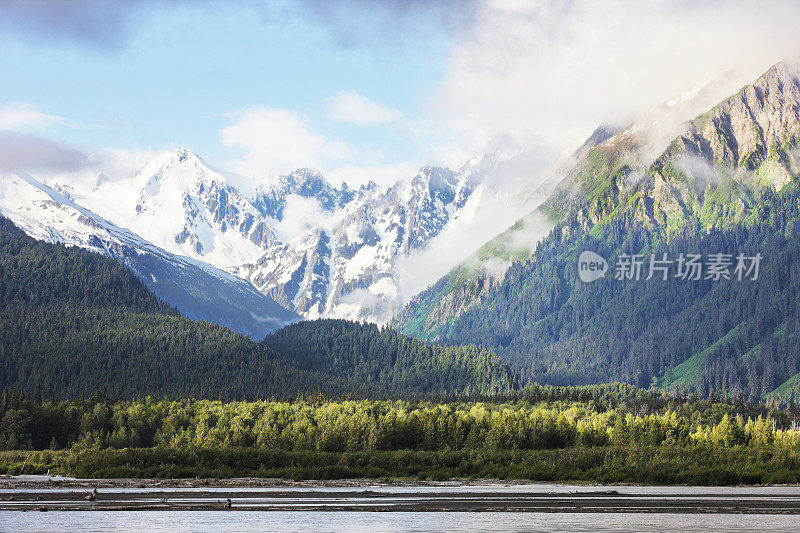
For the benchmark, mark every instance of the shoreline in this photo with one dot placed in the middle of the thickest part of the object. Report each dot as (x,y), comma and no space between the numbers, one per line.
(52,482)
(57,481)
(40,493)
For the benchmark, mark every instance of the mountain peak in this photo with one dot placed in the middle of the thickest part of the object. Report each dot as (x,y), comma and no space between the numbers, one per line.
(435,178)
(303,181)
(602,133)
(760,122)
(101,180)
(781,69)
(183,154)
(781,81)
(181,168)
(170,158)
(309,177)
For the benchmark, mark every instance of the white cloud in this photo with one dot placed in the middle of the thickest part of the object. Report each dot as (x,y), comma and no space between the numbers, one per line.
(119,163)
(56,161)
(349,106)
(491,209)
(554,70)
(25,153)
(300,215)
(88,171)
(278,140)
(20,115)
(459,240)
(543,75)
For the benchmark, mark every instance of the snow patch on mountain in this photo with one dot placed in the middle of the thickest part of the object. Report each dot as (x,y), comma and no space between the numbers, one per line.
(314,248)
(179,203)
(199,290)
(349,265)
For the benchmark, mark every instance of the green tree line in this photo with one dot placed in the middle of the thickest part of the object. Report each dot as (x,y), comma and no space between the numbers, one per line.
(32,422)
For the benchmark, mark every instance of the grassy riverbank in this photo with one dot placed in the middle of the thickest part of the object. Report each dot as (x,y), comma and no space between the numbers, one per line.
(694,465)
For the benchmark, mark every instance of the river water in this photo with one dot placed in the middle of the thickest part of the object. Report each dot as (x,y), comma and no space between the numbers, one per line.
(387,508)
(367,522)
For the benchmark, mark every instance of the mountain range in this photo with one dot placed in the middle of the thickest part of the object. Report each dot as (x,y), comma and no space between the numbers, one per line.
(256,257)
(725,181)
(199,290)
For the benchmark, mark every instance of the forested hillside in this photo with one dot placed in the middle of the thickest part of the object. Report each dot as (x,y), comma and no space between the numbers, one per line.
(73,322)
(729,336)
(727,184)
(367,354)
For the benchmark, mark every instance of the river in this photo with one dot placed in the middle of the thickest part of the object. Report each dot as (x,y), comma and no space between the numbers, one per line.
(375,508)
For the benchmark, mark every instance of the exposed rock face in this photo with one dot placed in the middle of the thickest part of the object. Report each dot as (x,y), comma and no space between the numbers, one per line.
(424,207)
(347,269)
(270,199)
(713,167)
(295,274)
(724,158)
(753,125)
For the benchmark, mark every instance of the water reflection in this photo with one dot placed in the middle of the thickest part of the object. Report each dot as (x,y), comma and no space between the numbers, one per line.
(252,521)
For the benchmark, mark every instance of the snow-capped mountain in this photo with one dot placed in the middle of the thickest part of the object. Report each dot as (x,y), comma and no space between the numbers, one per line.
(316,249)
(199,290)
(272,197)
(180,204)
(348,267)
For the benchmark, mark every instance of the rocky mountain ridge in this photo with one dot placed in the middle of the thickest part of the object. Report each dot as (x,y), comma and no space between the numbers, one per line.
(659,170)
(348,268)
(726,183)
(316,249)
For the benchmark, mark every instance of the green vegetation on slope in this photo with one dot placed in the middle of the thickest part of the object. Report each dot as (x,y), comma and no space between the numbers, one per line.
(708,192)
(787,389)
(74,322)
(401,364)
(686,373)
(553,329)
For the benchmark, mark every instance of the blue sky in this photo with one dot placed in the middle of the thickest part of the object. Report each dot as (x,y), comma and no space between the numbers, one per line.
(180,70)
(360,89)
